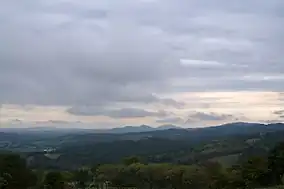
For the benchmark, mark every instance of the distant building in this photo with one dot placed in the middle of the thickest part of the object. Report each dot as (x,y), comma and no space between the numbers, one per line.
(49,150)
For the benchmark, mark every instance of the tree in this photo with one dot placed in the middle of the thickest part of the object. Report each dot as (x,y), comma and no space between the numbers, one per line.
(151,175)
(130,175)
(112,174)
(131,160)
(254,172)
(195,177)
(217,176)
(3,181)
(234,177)
(14,172)
(54,180)
(276,163)
(82,177)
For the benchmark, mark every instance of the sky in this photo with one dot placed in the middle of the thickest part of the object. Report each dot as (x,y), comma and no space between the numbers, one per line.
(107,63)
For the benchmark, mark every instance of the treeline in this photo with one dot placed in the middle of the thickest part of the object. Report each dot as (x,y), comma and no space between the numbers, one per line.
(257,172)
(156,150)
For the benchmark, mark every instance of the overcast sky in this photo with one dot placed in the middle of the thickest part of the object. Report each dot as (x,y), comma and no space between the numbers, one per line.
(109,63)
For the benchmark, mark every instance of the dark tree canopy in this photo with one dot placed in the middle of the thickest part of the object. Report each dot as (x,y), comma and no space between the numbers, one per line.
(14,172)
(276,163)
(54,180)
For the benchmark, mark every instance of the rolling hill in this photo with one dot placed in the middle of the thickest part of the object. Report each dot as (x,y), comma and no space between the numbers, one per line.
(225,143)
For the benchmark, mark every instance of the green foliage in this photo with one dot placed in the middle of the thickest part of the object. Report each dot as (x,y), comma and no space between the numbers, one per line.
(254,172)
(53,180)
(3,181)
(154,176)
(194,168)
(276,163)
(131,160)
(14,172)
(82,177)
(222,144)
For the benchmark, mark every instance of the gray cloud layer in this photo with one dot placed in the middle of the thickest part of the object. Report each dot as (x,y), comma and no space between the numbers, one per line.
(171,120)
(104,52)
(201,116)
(117,113)
(280,114)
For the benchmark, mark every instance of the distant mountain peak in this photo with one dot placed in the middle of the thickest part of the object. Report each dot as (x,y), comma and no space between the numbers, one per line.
(170,126)
(145,126)
(241,124)
(141,128)
(131,129)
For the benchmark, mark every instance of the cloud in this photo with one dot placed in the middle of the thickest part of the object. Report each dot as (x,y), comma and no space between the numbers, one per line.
(134,53)
(270,121)
(173,120)
(172,102)
(134,113)
(116,113)
(200,63)
(281,96)
(108,52)
(58,122)
(202,116)
(279,112)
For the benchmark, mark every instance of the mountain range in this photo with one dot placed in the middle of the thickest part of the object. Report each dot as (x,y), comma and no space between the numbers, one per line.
(167,143)
(228,128)
(118,130)
(141,128)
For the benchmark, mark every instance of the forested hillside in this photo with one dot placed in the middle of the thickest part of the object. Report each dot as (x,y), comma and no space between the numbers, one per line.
(232,156)
(217,144)
(256,172)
